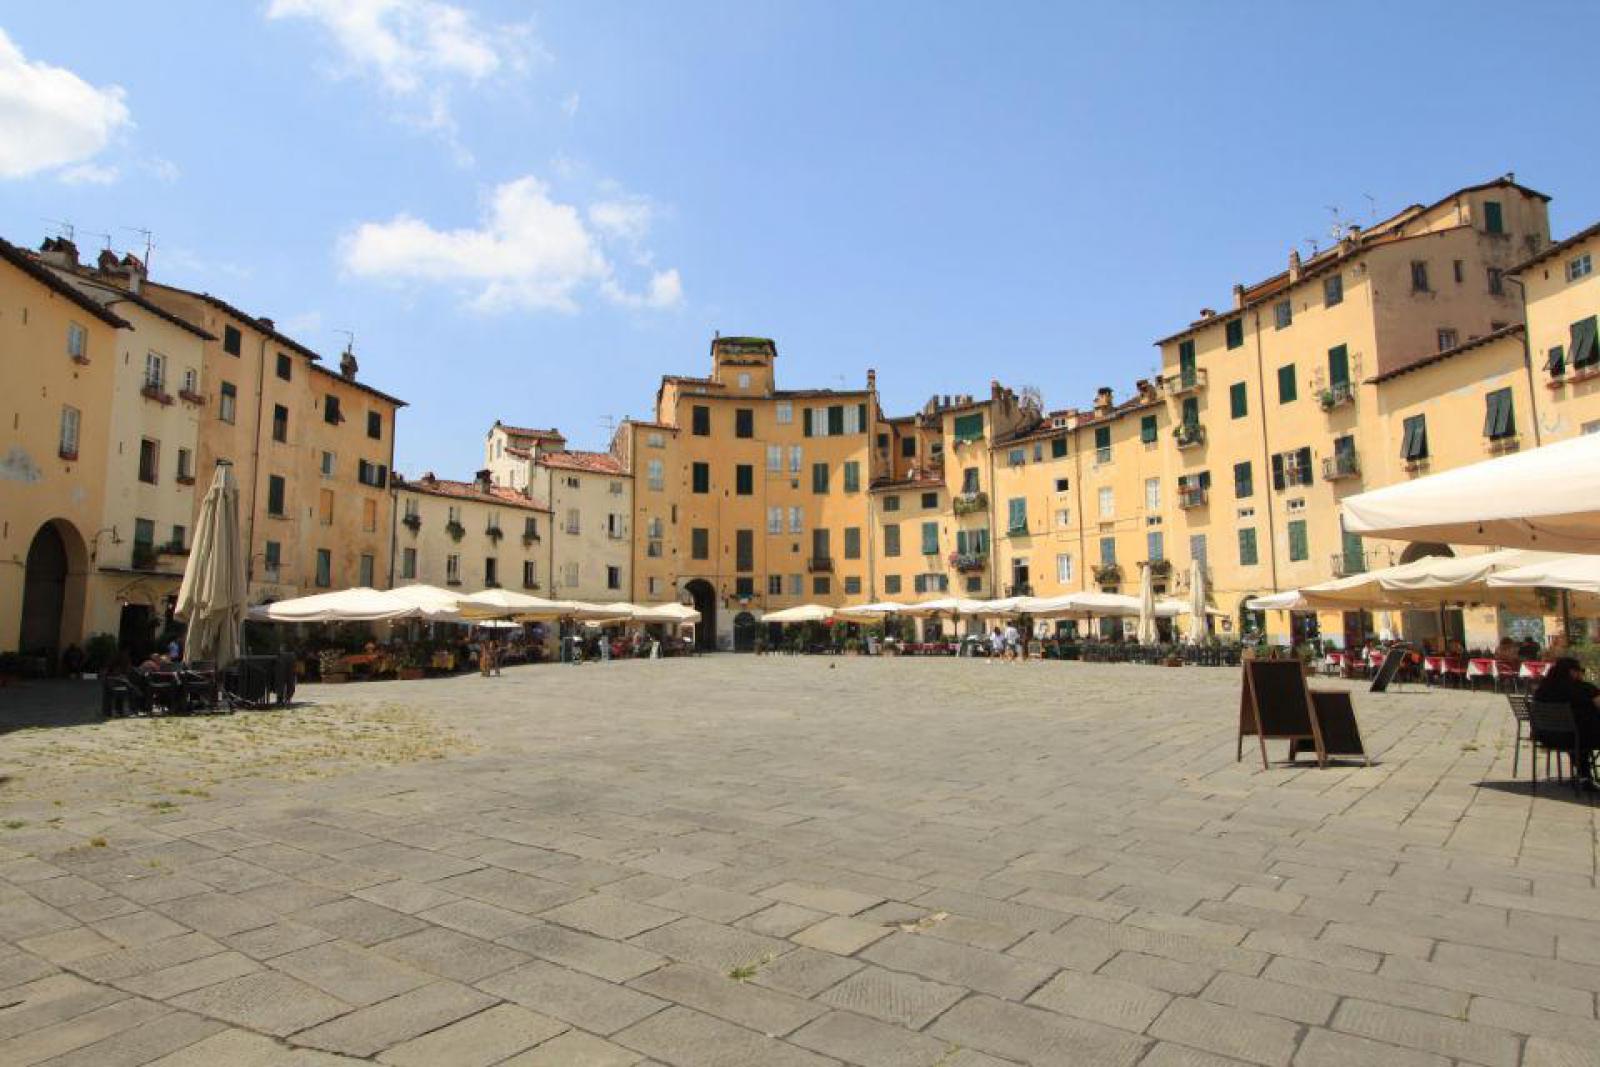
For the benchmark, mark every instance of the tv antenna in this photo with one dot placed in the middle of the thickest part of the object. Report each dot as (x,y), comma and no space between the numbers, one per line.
(1372,206)
(349,340)
(1338,227)
(91,233)
(149,243)
(1312,241)
(64,228)
(609,422)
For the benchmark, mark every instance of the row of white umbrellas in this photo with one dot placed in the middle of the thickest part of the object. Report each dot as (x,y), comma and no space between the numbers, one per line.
(1505,576)
(433,604)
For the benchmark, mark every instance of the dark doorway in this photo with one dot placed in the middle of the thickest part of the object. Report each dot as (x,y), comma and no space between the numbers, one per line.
(44,593)
(705,602)
(135,631)
(744,632)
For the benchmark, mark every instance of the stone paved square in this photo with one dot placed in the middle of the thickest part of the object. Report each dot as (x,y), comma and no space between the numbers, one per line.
(772,860)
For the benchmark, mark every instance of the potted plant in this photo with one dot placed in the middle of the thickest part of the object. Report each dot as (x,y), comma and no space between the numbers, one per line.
(852,646)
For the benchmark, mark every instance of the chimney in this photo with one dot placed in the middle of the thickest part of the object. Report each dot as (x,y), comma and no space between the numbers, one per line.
(872,380)
(1238,296)
(59,252)
(1146,390)
(132,268)
(482,481)
(348,365)
(1102,400)
(268,323)
(1207,313)
(1294,265)
(995,389)
(428,478)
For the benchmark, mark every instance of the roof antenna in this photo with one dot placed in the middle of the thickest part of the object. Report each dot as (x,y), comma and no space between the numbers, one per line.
(149,243)
(64,229)
(1372,206)
(91,233)
(349,341)
(609,422)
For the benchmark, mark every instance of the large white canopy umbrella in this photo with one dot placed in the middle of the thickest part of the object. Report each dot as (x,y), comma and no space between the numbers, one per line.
(1447,579)
(1545,498)
(802,613)
(1145,634)
(1105,605)
(881,609)
(1048,607)
(214,591)
(665,613)
(344,605)
(432,602)
(505,604)
(1289,600)
(1578,574)
(949,605)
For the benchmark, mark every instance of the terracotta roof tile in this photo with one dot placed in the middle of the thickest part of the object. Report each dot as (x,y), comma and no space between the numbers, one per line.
(1468,345)
(529,431)
(497,494)
(593,462)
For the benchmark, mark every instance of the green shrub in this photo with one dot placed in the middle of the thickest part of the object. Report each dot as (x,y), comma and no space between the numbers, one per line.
(98,650)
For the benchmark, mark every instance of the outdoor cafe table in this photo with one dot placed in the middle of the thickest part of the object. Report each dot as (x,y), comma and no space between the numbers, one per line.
(1533,670)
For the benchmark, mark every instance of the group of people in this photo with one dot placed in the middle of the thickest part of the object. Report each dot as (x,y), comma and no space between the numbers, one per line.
(1008,643)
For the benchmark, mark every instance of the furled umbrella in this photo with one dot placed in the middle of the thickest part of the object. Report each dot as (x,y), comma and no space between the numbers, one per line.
(1146,634)
(1199,621)
(214,592)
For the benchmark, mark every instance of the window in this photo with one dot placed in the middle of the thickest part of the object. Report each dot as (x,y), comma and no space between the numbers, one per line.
(700,421)
(155,370)
(530,574)
(71,418)
(774,585)
(1152,494)
(655,475)
(275,487)
(613,577)
(1496,282)
(1102,444)
(452,570)
(930,501)
(149,460)
(191,381)
(1492,220)
(1243,480)
(1197,548)
(1016,457)
(280,423)
(1414,439)
(1419,276)
(852,542)
(185,465)
(1063,518)
(852,586)
(891,502)
(1154,545)
(794,459)
(653,439)
(1108,551)
(775,519)
(227,401)
(969,427)
(1147,429)
(408,563)
(930,539)
(1286,384)
(530,528)
(852,476)
(1017,515)
(569,574)
(1238,400)
(1332,290)
(1058,447)
(375,425)
(367,566)
(330,410)
(1448,338)
(1339,367)
(1290,469)
(744,479)
(743,380)
(744,422)
(373,474)
(820,585)
(908,447)
(700,478)
(232,340)
(1282,315)
(1062,485)
(1460,271)
(1108,502)
(1233,333)
(325,568)
(272,560)
(1579,267)
(1299,550)
(796,519)
(797,584)
(1064,568)
(774,459)
(1500,421)
(784,412)
(891,583)
(699,543)
(285,367)
(972,542)
(328,461)
(819,477)
(1585,352)
(891,539)
(369,516)
(325,506)
(1191,412)
(821,544)
(1248,556)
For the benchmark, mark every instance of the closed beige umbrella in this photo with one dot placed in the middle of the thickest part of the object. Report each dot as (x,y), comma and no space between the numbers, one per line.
(1146,633)
(214,592)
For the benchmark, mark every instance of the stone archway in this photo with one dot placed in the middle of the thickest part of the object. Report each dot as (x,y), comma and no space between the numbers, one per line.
(705,602)
(1423,549)
(53,590)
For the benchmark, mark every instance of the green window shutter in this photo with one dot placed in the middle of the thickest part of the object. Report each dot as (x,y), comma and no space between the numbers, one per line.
(1414,444)
(961,542)
(805,422)
(1286,384)
(1556,361)
(1058,447)
(1585,352)
(852,477)
(852,542)
(1339,365)
(819,477)
(1243,480)
(1298,551)
(891,539)
(1493,222)
(1102,438)
(1154,545)
(1186,360)
(969,427)
(1191,411)
(861,417)
(1017,514)
(930,539)
(1238,400)
(744,479)
(1147,432)
(1355,558)
(1235,333)
(1108,551)
(1500,418)
(835,420)
(980,540)
(1247,548)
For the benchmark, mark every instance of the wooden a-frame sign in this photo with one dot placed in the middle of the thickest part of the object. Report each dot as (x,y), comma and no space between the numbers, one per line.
(1275,702)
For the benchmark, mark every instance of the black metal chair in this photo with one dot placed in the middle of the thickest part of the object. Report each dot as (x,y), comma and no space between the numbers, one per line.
(1520,712)
(1552,728)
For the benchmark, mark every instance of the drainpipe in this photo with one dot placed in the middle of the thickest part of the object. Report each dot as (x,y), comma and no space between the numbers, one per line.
(1266,456)
(1527,360)
(255,456)
(994,525)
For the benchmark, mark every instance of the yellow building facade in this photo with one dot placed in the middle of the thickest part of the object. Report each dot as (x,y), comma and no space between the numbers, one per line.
(1563,300)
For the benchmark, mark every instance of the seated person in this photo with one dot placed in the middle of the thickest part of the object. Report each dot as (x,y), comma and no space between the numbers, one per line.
(1565,684)
(1528,649)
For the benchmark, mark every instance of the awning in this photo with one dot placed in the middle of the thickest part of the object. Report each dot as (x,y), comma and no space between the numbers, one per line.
(346,605)
(1578,574)
(803,613)
(665,613)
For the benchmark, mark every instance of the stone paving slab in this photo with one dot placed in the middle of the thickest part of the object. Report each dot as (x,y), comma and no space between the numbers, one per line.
(782,860)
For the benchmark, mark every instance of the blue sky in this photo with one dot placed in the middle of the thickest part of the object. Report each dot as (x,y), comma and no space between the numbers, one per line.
(530,212)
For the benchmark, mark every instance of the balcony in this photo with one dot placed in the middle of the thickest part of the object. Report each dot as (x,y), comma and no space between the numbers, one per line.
(1189,434)
(1344,564)
(189,396)
(493,533)
(455,530)
(412,521)
(1159,568)
(969,503)
(1019,589)
(1497,446)
(174,548)
(154,389)
(1341,465)
(968,562)
(1106,573)
(530,537)
(1182,384)
(144,556)
(1192,496)
(820,564)
(1336,395)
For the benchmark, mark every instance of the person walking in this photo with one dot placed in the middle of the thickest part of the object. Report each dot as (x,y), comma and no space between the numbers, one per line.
(1013,639)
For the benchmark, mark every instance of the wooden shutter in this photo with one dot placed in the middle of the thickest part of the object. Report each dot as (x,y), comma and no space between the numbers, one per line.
(1302,461)
(1584,351)
(1238,400)
(1147,427)
(1339,365)
(805,421)
(1277,470)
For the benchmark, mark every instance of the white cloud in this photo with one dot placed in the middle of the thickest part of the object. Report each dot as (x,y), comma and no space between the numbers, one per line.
(50,118)
(90,174)
(627,218)
(416,50)
(569,105)
(530,252)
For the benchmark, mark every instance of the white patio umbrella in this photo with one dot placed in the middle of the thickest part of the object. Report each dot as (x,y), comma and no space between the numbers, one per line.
(1577,574)
(1545,498)
(665,613)
(880,610)
(1289,600)
(1199,624)
(1146,632)
(505,604)
(214,591)
(344,605)
(1048,607)
(434,603)
(802,613)
(1442,579)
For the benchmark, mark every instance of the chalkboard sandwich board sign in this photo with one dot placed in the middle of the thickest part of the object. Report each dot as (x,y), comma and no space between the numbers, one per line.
(1275,702)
